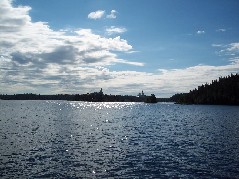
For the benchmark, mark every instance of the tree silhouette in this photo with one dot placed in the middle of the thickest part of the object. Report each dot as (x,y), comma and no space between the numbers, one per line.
(222,91)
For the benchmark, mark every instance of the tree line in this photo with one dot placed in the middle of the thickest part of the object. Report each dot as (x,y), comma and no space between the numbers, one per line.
(90,97)
(224,91)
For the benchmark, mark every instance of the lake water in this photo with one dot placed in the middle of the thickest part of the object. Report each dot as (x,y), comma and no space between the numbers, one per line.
(63,139)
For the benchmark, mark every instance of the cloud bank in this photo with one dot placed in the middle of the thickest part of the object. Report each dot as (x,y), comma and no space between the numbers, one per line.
(33,54)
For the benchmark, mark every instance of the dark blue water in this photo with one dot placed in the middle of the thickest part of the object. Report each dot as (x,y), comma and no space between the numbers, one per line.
(60,139)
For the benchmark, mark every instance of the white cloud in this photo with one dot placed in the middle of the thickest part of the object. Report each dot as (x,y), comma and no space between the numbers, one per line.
(37,41)
(131,63)
(221,30)
(183,80)
(233,47)
(217,45)
(132,51)
(115,30)
(201,32)
(228,50)
(112,14)
(96,15)
(93,41)
(164,83)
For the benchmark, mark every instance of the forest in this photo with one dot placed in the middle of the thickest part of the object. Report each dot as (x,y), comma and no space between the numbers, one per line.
(224,91)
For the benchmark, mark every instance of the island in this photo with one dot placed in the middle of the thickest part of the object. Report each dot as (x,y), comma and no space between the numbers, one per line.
(89,97)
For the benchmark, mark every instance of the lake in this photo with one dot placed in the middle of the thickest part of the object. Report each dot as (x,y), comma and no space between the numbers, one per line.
(64,139)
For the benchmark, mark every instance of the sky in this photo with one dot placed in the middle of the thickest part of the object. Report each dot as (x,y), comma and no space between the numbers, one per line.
(163,47)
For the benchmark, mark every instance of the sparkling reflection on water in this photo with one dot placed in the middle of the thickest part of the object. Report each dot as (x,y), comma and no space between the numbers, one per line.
(61,139)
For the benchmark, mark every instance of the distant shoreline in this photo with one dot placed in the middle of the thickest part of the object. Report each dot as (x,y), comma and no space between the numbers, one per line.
(89,97)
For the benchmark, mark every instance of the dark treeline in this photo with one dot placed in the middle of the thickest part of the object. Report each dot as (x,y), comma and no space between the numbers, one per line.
(98,97)
(30,96)
(94,97)
(91,97)
(224,91)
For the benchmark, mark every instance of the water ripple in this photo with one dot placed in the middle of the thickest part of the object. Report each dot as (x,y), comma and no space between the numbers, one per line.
(61,139)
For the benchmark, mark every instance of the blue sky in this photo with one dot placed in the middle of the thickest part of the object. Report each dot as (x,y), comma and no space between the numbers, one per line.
(76,46)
